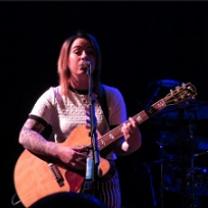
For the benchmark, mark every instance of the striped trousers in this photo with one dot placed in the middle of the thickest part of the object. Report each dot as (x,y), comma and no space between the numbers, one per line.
(107,189)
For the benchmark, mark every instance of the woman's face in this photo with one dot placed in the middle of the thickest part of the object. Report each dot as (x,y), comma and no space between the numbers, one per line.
(81,51)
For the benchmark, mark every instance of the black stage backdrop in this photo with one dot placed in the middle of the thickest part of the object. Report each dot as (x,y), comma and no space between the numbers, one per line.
(142,43)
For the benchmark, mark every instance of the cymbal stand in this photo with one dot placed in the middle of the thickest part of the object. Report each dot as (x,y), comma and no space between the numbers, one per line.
(162,161)
(152,190)
(195,200)
(161,174)
(195,203)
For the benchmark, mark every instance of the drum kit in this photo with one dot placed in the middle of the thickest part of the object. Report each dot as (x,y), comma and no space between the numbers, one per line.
(183,143)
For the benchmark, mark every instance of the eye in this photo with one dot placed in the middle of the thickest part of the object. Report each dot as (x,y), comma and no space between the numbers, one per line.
(77,52)
(90,51)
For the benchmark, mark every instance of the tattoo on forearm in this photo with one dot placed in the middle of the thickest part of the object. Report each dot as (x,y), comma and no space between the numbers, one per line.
(32,138)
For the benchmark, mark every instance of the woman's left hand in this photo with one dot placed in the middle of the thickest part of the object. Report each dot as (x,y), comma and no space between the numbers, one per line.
(130,132)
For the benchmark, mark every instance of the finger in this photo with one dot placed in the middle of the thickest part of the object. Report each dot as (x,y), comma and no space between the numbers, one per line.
(73,164)
(79,154)
(125,130)
(126,136)
(132,121)
(80,160)
(82,148)
(78,147)
(77,166)
(82,164)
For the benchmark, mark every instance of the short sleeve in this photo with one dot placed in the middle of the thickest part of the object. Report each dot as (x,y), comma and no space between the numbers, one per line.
(43,107)
(116,106)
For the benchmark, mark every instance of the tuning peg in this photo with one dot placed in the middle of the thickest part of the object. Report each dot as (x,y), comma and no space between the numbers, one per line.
(177,88)
(183,85)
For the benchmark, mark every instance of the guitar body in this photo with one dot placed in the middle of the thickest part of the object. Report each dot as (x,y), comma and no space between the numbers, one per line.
(34,179)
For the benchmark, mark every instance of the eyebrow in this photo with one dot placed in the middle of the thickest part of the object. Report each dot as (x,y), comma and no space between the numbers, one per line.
(78,46)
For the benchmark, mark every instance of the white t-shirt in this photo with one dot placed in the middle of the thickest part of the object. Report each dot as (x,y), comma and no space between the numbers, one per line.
(64,113)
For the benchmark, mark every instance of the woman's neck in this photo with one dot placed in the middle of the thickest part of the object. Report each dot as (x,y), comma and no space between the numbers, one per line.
(78,91)
(80,84)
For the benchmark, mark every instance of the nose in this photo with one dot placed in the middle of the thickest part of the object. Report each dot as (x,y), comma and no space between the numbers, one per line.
(84,54)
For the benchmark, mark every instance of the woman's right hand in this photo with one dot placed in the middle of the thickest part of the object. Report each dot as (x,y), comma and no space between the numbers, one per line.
(74,157)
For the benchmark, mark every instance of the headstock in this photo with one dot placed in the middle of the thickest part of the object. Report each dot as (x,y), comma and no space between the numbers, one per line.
(186,91)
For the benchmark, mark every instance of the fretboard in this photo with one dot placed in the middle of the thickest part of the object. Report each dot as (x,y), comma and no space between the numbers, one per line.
(141,117)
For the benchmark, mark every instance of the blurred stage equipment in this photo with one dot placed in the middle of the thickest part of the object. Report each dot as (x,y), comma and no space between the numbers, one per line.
(68,199)
(183,142)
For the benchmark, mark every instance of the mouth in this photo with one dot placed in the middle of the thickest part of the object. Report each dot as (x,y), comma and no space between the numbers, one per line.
(85,64)
(83,67)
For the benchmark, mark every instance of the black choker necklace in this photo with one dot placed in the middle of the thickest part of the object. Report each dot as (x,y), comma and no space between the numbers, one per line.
(78,91)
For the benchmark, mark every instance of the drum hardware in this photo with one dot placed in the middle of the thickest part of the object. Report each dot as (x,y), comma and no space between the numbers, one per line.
(180,174)
(152,190)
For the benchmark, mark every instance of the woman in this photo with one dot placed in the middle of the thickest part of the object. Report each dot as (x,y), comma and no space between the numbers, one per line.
(60,109)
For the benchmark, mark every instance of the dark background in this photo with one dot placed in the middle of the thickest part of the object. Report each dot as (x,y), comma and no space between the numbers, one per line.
(141,42)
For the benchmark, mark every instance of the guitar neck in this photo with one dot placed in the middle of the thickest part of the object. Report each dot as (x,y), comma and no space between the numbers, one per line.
(141,117)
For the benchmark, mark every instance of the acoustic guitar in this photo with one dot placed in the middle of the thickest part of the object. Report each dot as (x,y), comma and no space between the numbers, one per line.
(35,178)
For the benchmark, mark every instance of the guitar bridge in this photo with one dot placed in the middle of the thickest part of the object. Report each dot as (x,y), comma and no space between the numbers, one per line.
(57,174)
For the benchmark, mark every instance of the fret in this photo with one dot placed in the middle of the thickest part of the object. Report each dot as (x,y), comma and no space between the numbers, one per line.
(141,117)
(159,105)
(110,137)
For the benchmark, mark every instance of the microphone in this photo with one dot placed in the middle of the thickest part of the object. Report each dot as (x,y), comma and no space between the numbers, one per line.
(87,66)
(86,63)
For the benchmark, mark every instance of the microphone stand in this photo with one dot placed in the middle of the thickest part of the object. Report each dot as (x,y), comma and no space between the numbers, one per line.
(93,158)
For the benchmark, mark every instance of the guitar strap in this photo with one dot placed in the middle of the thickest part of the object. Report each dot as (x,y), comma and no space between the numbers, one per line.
(103,103)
